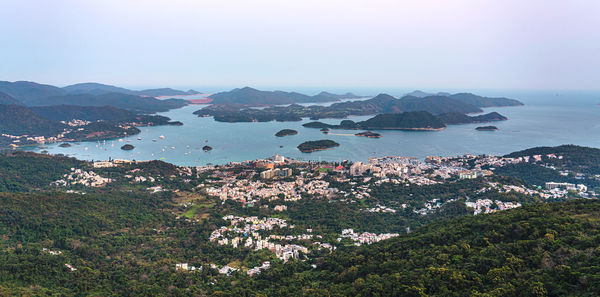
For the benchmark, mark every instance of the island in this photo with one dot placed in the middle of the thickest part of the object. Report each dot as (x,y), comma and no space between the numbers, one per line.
(487,128)
(127,147)
(65,144)
(415,121)
(317,145)
(369,134)
(454,105)
(207,148)
(286,132)
(175,123)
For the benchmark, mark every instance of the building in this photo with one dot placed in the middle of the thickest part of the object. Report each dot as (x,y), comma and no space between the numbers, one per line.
(566,186)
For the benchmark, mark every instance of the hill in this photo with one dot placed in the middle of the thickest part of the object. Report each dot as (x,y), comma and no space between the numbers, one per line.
(97,113)
(253,97)
(20,120)
(453,118)
(417,120)
(470,98)
(98,89)
(572,157)
(537,250)
(26,172)
(436,105)
(86,113)
(384,103)
(8,100)
(132,103)
(26,91)
(481,101)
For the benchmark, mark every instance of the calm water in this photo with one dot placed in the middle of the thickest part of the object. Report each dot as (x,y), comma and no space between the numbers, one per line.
(548,118)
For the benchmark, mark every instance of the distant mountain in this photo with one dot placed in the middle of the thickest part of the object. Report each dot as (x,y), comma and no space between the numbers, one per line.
(326,96)
(436,105)
(27,92)
(20,120)
(164,92)
(96,89)
(469,98)
(99,89)
(419,93)
(481,101)
(384,103)
(253,97)
(7,99)
(132,103)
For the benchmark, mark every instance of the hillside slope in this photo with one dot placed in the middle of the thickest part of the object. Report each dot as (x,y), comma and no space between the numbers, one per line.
(538,250)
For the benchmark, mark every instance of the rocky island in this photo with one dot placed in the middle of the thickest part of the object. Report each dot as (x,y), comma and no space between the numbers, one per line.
(127,147)
(286,132)
(487,128)
(317,145)
(207,148)
(369,134)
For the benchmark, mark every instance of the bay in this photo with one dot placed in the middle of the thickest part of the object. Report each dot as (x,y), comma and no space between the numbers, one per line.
(547,119)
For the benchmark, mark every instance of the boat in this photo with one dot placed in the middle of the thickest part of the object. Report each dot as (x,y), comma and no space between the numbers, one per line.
(161,137)
(120,140)
(154,140)
(139,138)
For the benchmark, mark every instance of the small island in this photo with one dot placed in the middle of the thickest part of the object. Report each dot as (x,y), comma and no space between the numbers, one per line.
(206,148)
(286,132)
(317,145)
(487,128)
(127,147)
(325,130)
(175,123)
(65,144)
(369,134)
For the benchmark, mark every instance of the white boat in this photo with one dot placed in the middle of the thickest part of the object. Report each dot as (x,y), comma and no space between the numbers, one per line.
(161,137)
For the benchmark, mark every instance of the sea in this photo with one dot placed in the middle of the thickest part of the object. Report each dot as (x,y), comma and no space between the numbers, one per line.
(548,118)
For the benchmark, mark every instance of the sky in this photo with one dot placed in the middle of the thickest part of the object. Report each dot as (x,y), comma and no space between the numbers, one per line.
(509,44)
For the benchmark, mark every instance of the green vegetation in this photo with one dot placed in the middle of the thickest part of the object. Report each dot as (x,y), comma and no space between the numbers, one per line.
(237,111)
(317,145)
(538,250)
(253,97)
(23,171)
(19,120)
(286,132)
(487,128)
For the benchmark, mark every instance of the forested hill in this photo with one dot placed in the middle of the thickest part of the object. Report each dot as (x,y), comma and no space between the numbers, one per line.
(538,250)
(7,99)
(253,97)
(132,103)
(19,120)
(572,157)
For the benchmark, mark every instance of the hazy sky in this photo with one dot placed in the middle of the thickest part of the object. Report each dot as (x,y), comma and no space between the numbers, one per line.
(413,43)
